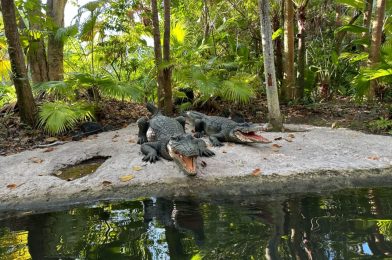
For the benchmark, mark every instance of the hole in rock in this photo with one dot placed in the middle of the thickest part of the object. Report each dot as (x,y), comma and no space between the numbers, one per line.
(81,169)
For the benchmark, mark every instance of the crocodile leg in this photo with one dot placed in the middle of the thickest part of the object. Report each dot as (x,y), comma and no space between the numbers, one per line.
(216,139)
(150,150)
(199,128)
(203,150)
(181,120)
(143,125)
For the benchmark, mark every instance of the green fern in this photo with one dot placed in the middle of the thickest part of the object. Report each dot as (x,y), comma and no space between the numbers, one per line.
(56,117)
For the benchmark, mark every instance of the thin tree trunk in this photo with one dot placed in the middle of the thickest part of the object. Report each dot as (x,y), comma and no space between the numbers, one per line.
(206,22)
(166,57)
(375,46)
(157,52)
(56,47)
(37,54)
(278,47)
(288,86)
(24,94)
(367,17)
(274,116)
(301,20)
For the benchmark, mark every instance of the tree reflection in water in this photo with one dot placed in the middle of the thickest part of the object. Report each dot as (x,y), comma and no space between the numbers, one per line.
(342,225)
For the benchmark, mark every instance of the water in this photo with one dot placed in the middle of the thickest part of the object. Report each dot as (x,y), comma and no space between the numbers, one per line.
(81,169)
(349,224)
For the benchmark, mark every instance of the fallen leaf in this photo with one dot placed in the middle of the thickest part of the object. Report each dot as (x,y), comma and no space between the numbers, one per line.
(40,174)
(58,173)
(276,146)
(291,135)
(50,149)
(224,151)
(132,141)
(126,178)
(12,186)
(334,125)
(51,139)
(137,168)
(288,139)
(106,183)
(256,172)
(374,157)
(203,164)
(278,138)
(36,160)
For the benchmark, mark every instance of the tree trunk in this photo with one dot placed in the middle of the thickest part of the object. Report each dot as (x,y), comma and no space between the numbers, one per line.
(301,20)
(278,47)
(37,54)
(24,94)
(157,52)
(367,17)
(56,47)
(167,71)
(274,116)
(288,86)
(375,46)
(206,20)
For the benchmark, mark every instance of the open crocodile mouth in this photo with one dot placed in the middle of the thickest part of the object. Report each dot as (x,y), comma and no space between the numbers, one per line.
(250,136)
(188,163)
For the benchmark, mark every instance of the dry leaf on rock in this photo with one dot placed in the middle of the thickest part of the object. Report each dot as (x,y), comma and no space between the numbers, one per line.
(12,186)
(50,149)
(106,183)
(36,160)
(126,178)
(374,157)
(276,146)
(291,135)
(256,172)
(288,139)
(137,168)
(51,139)
(224,151)
(278,138)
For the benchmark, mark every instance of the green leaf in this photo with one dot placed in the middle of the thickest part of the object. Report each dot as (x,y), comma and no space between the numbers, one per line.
(358,4)
(351,28)
(277,33)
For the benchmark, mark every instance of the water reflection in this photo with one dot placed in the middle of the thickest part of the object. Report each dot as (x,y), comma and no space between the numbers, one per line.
(344,225)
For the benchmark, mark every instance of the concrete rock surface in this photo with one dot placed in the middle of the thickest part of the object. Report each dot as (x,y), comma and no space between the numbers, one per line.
(314,160)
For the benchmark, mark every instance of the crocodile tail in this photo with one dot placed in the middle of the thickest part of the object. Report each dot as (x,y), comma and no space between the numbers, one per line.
(153,109)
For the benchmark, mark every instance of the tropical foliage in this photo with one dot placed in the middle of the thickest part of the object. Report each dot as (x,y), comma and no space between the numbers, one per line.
(216,51)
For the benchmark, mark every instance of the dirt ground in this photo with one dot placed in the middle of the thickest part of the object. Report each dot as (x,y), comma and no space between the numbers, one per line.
(15,137)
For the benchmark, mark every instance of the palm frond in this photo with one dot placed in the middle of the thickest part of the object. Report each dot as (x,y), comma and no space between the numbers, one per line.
(237,90)
(56,117)
(59,87)
(62,34)
(110,88)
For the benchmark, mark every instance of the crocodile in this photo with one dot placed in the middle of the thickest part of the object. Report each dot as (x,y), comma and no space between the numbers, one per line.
(222,129)
(165,137)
